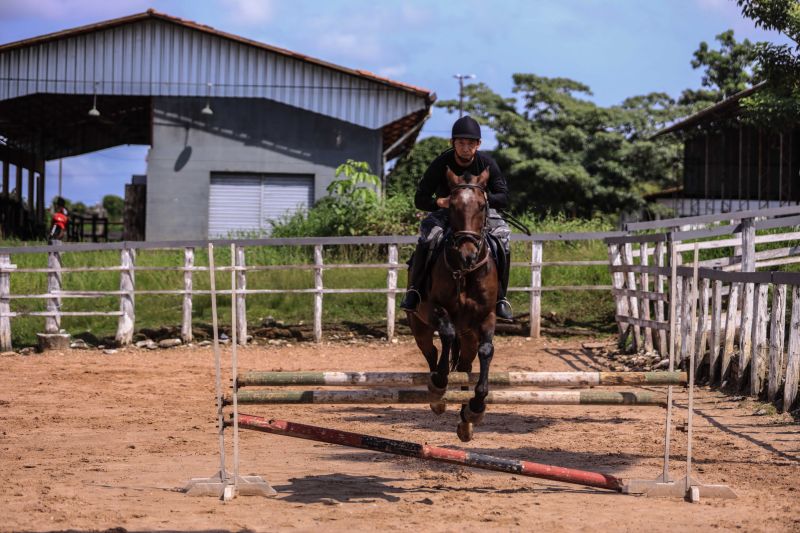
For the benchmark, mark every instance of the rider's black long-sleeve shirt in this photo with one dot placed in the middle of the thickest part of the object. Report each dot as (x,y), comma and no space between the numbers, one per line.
(434,183)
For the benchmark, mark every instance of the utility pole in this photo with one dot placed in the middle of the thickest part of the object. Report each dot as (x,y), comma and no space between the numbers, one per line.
(461,78)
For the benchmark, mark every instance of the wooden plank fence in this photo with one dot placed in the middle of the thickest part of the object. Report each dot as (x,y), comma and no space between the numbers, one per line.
(128,290)
(729,316)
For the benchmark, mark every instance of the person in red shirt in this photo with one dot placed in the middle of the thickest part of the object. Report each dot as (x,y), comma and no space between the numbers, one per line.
(58,224)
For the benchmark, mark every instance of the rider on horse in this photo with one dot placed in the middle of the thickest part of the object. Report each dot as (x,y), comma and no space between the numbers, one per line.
(462,157)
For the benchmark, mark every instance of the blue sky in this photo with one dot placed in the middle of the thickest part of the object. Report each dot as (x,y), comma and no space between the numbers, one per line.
(619,48)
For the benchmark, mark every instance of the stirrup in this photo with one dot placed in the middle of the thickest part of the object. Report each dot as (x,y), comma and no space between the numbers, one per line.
(407,303)
(503,309)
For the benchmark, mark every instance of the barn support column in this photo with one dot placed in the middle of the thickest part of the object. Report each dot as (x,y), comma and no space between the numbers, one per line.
(6,169)
(31,189)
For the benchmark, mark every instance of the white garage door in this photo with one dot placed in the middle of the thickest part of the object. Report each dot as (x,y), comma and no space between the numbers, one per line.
(242,205)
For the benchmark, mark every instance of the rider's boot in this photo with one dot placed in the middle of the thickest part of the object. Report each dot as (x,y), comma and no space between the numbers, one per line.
(416,278)
(503,307)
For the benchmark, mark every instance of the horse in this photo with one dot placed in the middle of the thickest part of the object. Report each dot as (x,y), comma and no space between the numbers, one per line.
(460,303)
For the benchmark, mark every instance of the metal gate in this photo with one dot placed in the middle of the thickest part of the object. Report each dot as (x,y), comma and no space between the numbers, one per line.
(244,204)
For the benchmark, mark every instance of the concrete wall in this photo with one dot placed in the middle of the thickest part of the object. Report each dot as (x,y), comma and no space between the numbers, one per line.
(243,135)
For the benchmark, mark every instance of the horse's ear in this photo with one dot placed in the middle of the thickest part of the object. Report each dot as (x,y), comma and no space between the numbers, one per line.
(483,178)
(452,178)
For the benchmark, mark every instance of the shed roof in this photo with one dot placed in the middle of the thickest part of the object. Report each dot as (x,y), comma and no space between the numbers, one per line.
(724,107)
(155,54)
(153,14)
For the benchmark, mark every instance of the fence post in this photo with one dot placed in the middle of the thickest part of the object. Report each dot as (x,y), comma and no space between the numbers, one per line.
(758,359)
(391,286)
(776,332)
(660,255)
(5,302)
(793,353)
(633,304)
(186,322)
(52,324)
(730,331)
(644,302)
(702,325)
(241,302)
(126,286)
(618,282)
(687,319)
(535,303)
(716,331)
(318,294)
(748,265)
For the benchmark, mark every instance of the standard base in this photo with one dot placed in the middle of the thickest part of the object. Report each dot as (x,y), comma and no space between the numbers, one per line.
(657,488)
(52,342)
(223,488)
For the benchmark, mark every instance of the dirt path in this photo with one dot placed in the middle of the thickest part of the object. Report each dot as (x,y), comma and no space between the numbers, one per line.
(91,441)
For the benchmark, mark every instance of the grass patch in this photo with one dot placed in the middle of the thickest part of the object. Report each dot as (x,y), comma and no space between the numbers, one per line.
(592,309)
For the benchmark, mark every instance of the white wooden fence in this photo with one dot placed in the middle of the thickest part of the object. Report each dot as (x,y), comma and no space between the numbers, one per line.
(722,313)
(128,290)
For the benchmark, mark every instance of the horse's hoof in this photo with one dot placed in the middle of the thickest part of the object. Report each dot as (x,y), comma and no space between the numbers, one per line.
(464,431)
(469,415)
(434,389)
(438,407)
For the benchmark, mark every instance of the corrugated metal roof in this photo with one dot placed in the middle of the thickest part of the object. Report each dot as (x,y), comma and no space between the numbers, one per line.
(153,53)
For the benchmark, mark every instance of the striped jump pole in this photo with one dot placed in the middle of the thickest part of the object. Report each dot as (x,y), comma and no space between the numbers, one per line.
(498,379)
(418,396)
(434,453)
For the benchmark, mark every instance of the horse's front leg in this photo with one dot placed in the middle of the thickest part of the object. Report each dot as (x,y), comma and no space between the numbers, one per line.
(473,412)
(438,379)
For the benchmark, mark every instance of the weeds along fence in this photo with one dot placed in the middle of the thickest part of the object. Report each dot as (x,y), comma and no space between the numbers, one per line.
(51,286)
(729,315)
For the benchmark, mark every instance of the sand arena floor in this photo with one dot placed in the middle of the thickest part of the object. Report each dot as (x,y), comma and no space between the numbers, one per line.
(91,442)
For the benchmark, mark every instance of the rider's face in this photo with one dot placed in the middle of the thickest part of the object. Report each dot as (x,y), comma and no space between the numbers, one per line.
(466,148)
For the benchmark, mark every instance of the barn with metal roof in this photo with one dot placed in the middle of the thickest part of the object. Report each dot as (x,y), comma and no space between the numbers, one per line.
(240,132)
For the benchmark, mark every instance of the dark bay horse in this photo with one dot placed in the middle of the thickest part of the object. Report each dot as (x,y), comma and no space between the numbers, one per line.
(460,304)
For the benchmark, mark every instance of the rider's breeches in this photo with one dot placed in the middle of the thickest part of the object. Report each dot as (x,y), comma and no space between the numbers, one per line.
(433,227)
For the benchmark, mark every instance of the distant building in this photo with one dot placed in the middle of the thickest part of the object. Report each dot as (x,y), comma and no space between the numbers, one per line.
(729,166)
(240,132)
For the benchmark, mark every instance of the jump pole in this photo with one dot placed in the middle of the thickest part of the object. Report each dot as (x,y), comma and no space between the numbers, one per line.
(434,453)
(497,379)
(420,396)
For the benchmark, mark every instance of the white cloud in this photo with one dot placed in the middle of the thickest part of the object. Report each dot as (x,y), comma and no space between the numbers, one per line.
(351,45)
(714,5)
(392,71)
(70,9)
(249,12)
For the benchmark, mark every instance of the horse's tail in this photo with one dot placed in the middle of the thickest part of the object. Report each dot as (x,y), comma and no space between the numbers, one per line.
(455,354)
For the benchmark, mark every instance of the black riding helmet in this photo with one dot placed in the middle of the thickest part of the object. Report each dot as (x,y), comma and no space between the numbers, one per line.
(466,128)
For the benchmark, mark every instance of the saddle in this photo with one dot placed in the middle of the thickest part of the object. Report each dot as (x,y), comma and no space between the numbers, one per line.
(495,248)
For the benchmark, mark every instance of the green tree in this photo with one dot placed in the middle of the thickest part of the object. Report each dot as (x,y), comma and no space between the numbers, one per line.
(563,153)
(114,206)
(778,104)
(408,170)
(354,206)
(727,70)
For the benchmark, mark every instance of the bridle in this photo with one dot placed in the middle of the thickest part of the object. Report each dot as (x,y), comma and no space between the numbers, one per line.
(478,239)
